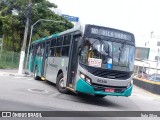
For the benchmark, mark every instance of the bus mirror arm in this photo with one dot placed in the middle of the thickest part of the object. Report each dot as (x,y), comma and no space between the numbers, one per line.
(80,41)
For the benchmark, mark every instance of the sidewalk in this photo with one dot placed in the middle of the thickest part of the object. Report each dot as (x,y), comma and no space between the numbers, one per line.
(12,72)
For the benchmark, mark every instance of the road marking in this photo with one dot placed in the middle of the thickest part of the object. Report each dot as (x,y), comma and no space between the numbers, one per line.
(4,74)
(20,77)
(37,90)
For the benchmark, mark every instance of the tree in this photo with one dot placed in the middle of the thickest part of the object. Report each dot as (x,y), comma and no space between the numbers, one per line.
(13,17)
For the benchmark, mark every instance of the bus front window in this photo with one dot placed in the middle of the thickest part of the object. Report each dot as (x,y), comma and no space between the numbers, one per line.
(91,49)
(106,54)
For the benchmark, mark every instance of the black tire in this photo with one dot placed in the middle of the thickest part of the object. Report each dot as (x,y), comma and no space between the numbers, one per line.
(59,84)
(35,73)
(100,96)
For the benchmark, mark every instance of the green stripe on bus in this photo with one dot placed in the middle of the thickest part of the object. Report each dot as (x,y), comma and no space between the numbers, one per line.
(46,38)
(84,87)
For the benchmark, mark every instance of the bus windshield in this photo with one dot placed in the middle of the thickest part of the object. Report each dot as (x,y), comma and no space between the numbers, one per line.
(106,54)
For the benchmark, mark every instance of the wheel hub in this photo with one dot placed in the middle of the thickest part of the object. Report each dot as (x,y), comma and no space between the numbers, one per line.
(61,83)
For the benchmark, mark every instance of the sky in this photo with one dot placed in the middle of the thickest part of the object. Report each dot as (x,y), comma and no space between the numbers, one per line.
(140,17)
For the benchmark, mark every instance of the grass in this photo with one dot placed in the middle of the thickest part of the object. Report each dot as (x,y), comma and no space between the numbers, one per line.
(4,65)
(9,59)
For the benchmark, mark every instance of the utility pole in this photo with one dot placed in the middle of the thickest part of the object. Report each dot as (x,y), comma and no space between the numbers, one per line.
(22,54)
(2,45)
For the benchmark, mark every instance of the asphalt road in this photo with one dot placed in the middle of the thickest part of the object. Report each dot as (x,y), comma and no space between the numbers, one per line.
(20,93)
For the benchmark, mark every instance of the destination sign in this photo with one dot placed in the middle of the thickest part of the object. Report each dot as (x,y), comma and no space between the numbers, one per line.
(110,33)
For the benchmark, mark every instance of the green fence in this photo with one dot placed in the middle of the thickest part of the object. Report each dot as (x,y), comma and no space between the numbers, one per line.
(9,59)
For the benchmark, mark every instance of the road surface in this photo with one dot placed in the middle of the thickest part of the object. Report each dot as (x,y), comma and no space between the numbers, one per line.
(23,93)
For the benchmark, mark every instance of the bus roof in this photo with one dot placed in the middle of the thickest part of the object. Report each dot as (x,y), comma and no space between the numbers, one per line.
(78,28)
(58,34)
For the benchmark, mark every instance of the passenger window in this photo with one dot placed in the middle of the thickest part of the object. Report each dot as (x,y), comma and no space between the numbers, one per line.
(65,51)
(53,42)
(52,52)
(67,40)
(42,49)
(59,41)
(58,52)
(38,49)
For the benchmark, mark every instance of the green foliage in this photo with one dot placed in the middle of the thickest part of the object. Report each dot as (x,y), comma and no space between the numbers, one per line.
(9,59)
(13,15)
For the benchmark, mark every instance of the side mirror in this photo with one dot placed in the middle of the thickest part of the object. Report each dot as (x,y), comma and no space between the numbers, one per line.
(80,43)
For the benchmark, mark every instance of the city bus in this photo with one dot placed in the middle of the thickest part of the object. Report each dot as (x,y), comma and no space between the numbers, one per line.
(94,60)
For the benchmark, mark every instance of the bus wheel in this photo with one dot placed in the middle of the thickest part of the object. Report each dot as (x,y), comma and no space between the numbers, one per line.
(60,84)
(100,96)
(35,73)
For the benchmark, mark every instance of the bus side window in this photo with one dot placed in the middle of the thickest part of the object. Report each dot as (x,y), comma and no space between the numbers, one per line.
(66,45)
(67,40)
(52,47)
(52,52)
(38,49)
(42,49)
(53,42)
(58,47)
(65,51)
(58,51)
(59,41)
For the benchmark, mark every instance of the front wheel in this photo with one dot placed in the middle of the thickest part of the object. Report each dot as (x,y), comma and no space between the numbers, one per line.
(60,84)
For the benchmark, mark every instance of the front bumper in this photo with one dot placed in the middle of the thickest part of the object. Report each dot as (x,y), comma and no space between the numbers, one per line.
(84,87)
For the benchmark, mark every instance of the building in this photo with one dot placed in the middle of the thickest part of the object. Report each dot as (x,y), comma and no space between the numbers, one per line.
(151,63)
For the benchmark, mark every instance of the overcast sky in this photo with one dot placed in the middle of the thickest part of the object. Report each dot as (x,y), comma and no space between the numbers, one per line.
(137,16)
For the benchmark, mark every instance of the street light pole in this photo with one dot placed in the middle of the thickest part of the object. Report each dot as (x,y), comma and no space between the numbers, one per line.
(31,36)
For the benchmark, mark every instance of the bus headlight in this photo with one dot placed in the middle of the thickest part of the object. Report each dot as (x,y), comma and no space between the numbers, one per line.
(85,78)
(82,76)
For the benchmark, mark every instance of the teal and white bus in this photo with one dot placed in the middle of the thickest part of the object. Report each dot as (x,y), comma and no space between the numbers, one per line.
(96,60)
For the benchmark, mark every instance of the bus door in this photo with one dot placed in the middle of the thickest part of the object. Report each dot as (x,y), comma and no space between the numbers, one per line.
(29,65)
(73,63)
(33,57)
(45,58)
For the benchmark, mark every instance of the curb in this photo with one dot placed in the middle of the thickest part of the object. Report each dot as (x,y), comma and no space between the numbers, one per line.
(151,86)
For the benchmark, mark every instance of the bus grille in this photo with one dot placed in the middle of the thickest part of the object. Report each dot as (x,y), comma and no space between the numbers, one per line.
(98,87)
(105,73)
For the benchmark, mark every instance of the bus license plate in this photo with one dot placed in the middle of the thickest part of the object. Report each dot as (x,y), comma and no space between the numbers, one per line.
(109,90)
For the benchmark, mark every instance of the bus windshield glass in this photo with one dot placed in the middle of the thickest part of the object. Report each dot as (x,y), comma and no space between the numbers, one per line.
(106,54)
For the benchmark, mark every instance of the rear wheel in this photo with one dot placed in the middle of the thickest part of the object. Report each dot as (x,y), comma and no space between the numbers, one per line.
(36,77)
(60,84)
(100,96)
